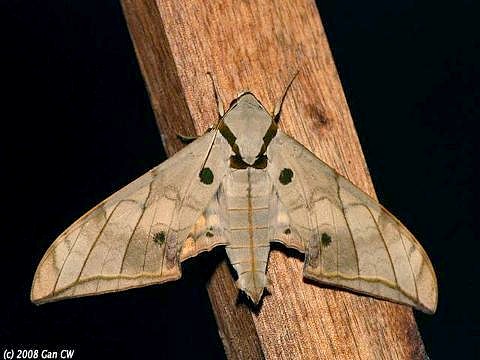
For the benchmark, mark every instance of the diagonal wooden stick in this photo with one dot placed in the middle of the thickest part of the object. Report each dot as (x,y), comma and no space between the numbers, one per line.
(257,45)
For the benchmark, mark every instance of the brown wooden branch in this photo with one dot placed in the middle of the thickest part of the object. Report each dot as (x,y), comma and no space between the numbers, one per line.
(257,45)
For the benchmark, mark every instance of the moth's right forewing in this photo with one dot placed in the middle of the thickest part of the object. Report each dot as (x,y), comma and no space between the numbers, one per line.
(349,239)
(135,237)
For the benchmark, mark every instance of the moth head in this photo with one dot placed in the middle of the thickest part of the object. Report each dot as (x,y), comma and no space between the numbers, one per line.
(245,126)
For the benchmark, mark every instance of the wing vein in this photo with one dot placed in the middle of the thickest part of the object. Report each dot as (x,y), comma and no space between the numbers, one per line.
(135,229)
(410,265)
(342,208)
(149,235)
(384,244)
(95,242)
(335,227)
(66,258)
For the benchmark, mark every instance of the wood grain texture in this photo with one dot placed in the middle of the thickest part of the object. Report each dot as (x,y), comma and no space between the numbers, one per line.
(257,45)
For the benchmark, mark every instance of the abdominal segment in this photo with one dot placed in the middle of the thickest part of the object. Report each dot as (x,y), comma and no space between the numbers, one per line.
(247,194)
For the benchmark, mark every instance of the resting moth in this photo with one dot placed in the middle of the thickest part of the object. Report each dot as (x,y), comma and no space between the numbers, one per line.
(243,185)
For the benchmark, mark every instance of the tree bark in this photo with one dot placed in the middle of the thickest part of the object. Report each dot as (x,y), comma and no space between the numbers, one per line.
(258,45)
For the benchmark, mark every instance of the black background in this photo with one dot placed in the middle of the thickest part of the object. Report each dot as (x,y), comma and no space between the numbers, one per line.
(77,125)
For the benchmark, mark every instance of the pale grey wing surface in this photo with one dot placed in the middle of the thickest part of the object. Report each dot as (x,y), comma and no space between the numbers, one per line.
(349,239)
(282,228)
(136,237)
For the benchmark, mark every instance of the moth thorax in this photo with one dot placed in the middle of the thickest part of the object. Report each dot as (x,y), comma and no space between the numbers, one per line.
(248,122)
(249,130)
(250,148)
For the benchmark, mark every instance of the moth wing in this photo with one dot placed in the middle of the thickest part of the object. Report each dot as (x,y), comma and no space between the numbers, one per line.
(139,235)
(349,239)
(281,227)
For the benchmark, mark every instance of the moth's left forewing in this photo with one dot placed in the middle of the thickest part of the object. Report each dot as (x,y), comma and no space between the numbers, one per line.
(349,239)
(140,234)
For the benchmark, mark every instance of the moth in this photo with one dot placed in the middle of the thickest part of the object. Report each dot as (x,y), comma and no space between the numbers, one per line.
(243,185)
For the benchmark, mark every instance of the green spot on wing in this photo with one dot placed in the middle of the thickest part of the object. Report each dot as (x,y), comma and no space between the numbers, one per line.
(159,238)
(286,176)
(326,239)
(206,176)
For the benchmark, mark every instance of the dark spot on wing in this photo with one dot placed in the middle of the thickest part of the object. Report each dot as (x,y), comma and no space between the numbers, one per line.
(206,176)
(209,234)
(286,176)
(326,239)
(287,231)
(159,238)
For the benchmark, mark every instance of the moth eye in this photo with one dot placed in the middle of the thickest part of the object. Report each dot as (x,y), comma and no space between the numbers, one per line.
(286,176)
(206,176)
(159,238)
(326,239)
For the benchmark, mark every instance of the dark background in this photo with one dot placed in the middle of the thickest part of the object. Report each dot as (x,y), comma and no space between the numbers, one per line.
(77,125)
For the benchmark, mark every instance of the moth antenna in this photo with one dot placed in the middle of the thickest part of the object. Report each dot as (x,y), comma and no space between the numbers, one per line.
(218,98)
(215,128)
(278,106)
(211,145)
(221,112)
